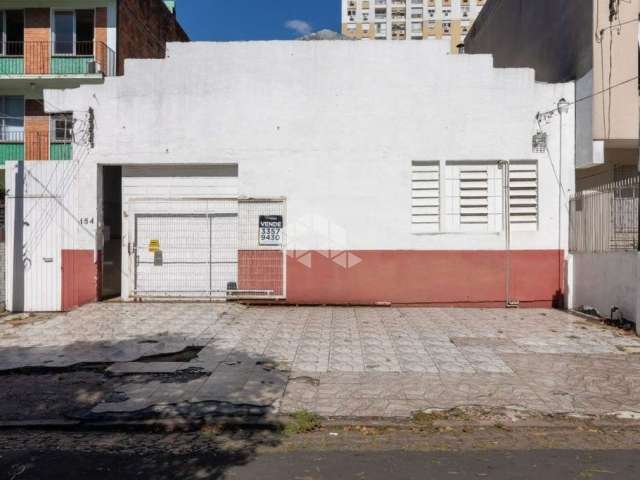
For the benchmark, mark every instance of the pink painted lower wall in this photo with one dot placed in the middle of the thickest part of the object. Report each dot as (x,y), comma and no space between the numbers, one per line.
(464,278)
(80,278)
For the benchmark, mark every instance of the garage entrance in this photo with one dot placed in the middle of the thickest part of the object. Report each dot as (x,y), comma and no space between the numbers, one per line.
(186,255)
(208,248)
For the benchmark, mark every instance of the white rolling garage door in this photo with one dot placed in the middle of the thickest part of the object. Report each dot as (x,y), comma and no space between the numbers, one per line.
(186,255)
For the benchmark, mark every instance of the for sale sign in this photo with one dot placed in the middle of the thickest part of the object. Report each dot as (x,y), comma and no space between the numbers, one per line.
(270,230)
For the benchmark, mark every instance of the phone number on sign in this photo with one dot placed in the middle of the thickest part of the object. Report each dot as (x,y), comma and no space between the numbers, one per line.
(270,234)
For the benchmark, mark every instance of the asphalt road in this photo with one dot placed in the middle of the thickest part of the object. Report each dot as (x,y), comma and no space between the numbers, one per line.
(68,464)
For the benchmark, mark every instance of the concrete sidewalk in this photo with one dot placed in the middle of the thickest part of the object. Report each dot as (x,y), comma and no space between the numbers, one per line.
(379,362)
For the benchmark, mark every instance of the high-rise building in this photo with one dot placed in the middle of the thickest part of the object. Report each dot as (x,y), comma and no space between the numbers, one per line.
(410,19)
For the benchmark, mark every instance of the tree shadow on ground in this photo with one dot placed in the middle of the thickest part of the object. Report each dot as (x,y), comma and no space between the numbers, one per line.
(137,397)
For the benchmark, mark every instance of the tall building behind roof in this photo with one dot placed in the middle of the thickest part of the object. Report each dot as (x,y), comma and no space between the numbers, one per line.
(410,19)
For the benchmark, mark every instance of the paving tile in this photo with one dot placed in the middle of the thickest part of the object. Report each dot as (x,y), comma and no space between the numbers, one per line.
(343,361)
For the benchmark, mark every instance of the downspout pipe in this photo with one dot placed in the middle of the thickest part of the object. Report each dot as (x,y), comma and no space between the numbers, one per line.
(506,221)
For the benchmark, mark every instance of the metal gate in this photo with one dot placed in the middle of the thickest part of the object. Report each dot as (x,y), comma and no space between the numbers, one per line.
(186,255)
(215,255)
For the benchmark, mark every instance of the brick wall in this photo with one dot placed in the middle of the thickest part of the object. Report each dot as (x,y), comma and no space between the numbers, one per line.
(101,37)
(144,28)
(261,270)
(36,131)
(37,38)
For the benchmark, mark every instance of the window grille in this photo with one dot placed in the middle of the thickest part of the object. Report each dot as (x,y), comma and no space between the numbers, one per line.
(523,193)
(425,194)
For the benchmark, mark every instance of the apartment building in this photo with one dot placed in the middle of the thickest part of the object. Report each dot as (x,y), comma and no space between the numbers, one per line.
(410,19)
(64,44)
(51,44)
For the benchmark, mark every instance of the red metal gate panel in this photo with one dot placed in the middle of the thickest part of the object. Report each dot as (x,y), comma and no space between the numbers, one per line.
(79,278)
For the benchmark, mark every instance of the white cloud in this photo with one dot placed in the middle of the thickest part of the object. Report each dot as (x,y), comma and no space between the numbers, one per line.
(299,26)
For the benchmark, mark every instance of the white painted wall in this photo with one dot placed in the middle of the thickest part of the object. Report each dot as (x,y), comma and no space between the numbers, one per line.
(339,146)
(585,154)
(607,279)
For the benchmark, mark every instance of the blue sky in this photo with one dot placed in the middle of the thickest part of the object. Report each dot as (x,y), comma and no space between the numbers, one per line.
(227,20)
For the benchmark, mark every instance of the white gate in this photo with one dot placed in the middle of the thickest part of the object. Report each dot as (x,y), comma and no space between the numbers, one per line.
(186,255)
(205,249)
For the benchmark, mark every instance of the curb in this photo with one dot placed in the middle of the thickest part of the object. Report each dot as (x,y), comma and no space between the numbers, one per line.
(278,421)
(167,424)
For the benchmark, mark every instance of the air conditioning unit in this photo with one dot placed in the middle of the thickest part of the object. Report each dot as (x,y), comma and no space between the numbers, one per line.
(93,67)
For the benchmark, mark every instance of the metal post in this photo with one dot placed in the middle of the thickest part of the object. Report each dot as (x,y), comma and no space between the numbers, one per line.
(506,180)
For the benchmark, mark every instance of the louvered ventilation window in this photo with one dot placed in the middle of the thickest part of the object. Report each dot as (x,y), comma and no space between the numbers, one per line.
(425,195)
(474,196)
(523,194)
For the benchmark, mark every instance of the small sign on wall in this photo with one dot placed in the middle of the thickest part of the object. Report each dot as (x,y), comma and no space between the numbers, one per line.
(270,231)
(154,245)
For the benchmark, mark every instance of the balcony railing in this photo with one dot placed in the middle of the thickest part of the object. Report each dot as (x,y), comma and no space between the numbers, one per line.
(11,146)
(18,146)
(56,58)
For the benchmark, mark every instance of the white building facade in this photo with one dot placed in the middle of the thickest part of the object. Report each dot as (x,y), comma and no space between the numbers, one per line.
(268,170)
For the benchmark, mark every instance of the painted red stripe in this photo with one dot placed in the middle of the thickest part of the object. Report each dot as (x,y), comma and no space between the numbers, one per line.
(473,278)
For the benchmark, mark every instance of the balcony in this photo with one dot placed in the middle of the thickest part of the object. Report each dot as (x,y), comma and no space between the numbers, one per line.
(56,59)
(11,146)
(16,146)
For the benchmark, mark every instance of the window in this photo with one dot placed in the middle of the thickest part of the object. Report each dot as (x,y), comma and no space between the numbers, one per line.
(425,196)
(381,28)
(12,32)
(11,119)
(63,25)
(416,13)
(474,197)
(62,127)
(416,29)
(73,32)
(523,195)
